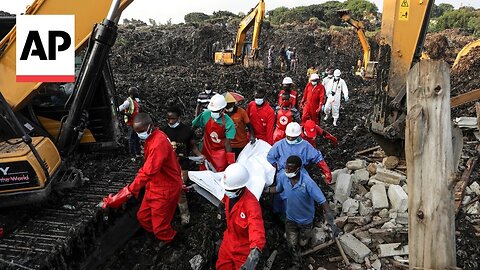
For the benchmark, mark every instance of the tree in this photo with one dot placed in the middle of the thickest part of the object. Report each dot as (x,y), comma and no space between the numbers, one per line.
(465,18)
(361,8)
(195,17)
(152,22)
(223,13)
(330,9)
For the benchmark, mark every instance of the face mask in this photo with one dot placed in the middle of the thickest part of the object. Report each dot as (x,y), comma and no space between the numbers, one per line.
(337,79)
(174,125)
(314,83)
(229,109)
(259,101)
(231,194)
(292,174)
(215,115)
(330,76)
(296,141)
(208,91)
(144,135)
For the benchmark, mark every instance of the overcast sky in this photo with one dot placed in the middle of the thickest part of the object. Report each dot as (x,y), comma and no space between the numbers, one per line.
(163,10)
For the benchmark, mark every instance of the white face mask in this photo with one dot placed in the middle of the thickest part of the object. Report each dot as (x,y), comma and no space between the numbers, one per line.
(215,115)
(144,135)
(208,91)
(330,76)
(314,83)
(259,101)
(231,194)
(292,174)
(337,78)
(229,109)
(174,125)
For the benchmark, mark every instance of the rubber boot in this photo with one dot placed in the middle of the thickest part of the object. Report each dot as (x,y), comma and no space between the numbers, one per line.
(184,213)
(326,117)
(335,121)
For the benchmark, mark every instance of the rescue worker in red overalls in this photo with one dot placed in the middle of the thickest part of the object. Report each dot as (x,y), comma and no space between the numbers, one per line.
(285,114)
(310,130)
(244,238)
(130,108)
(162,178)
(287,85)
(219,130)
(262,117)
(313,99)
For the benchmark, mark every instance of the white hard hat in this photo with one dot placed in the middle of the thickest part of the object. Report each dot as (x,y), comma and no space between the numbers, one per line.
(236,176)
(293,130)
(314,76)
(217,103)
(287,80)
(337,73)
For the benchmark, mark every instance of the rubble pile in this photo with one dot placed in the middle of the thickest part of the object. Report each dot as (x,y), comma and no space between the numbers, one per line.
(446,44)
(465,77)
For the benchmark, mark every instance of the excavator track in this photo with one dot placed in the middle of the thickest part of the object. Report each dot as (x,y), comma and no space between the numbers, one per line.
(64,235)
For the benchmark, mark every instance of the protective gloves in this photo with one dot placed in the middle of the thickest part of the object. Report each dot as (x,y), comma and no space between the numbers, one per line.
(330,137)
(252,260)
(328,175)
(346,99)
(230,157)
(115,201)
(329,217)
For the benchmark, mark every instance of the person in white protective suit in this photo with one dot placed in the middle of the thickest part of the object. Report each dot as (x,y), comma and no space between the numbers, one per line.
(333,91)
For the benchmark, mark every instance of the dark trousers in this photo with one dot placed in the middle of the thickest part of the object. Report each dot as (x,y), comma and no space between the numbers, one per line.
(133,142)
(298,236)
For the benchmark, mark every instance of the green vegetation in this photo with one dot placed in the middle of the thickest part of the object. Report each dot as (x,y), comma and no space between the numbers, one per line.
(444,16)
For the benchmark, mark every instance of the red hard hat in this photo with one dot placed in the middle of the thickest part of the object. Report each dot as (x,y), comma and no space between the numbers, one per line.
(310,128)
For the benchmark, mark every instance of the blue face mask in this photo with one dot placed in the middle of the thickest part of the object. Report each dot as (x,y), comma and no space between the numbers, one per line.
(296,141)
(259,101)
(231,194)
(144,135)
(215,115)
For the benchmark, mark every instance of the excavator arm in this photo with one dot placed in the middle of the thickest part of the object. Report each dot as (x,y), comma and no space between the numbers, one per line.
(360,28)
(404,26)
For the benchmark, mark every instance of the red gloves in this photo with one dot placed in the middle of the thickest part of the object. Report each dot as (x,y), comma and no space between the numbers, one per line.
(331,138)
(328,175)
(115,201)
(230,157)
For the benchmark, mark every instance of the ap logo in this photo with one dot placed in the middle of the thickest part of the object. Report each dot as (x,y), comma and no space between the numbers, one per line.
(45,48)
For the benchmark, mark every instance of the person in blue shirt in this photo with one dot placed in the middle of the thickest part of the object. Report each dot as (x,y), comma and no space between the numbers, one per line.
(293,144)
(300,193)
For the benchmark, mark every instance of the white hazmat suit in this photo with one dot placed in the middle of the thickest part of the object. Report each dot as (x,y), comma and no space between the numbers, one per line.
(333,91)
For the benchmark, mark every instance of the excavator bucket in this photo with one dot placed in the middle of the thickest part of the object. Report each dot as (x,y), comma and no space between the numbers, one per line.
(345,14)
(224,58)
(371,70)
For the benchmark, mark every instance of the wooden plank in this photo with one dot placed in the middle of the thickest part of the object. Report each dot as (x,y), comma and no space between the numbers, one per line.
(368,150)
(465,98)
(428,149)
(462,184)
(477,109)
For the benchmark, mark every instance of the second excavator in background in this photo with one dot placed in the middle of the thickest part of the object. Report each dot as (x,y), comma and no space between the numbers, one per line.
(244,52)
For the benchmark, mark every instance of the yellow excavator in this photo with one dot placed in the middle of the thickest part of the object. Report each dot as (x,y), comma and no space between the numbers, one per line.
(42,124)
(244,52)
(368,66)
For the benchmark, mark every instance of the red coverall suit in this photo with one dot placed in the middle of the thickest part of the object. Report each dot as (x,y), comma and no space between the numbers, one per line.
(262,119)
(313,100)
(214,144)
(293,98)
(244,232)
(162,177)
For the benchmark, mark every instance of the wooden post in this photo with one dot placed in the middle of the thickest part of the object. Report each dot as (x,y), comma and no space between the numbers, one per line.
(430,174)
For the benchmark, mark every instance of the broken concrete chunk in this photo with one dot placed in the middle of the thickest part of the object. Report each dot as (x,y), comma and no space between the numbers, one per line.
(388,176)
(359,220)
(390,250)
(377,264)
(354,248)
(343,188)
(473,209)
(374,181)
(390,162)
(362,176)
(356,164)
(402,218)
(336,173)
(364,237)
(318,236)
(196,262)
(368,195)
(379,197)
(365,208)
(372,168)
(398,198)
(405,188)
(350,206)
(475,187)
(388,225)
(383,213)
